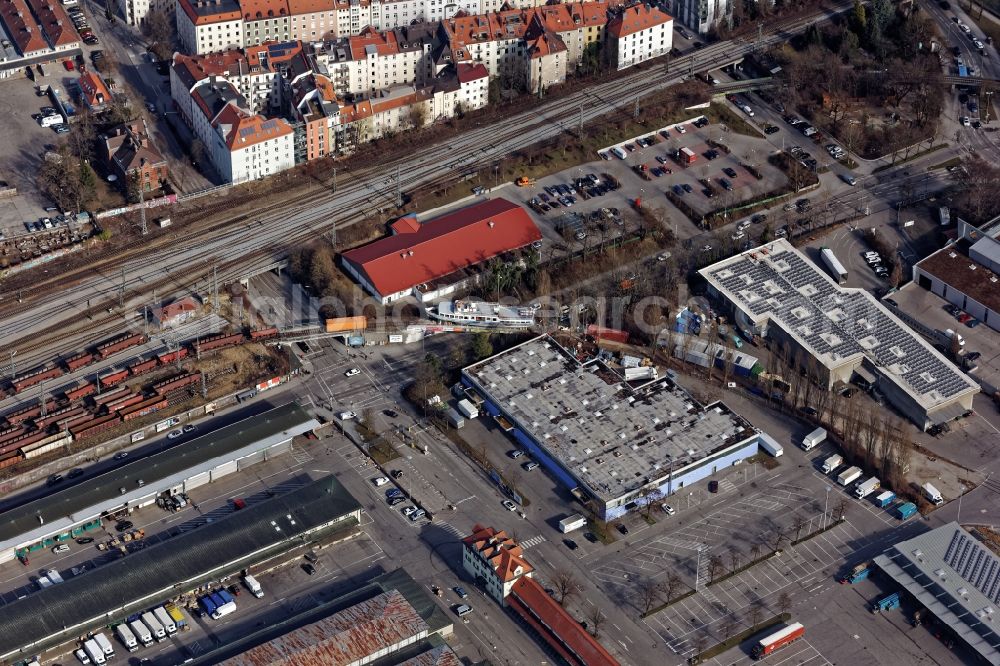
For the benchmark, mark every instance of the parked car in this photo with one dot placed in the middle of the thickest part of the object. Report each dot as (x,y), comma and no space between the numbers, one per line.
(510,506)
(124,526)
(570,544)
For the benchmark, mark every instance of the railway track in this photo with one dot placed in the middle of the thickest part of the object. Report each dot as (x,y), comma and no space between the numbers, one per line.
(237,245)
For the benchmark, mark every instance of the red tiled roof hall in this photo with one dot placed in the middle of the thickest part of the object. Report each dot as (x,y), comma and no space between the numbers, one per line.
(419,253)
(564,634)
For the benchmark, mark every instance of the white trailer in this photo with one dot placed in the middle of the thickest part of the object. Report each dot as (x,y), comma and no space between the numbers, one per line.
(141,632)
(837,269)
(570,523)
(252,585)
(163,617)
(106,646)
(816,437)
(467,409)
(127,638)
(932,494)
(849,476)
(867,487)
(648,372)
(832,463)
(94,651)
(155,628)
(769,444)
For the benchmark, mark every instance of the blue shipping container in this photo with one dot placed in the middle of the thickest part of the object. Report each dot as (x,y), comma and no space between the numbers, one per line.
(226,597)
(904,511)
(207,604)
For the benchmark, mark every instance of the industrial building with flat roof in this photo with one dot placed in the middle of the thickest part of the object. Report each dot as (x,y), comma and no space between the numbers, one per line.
(170,568)
(965,277)
(389,620)
(776,292)
(957,579)
(69,512)
(617,445)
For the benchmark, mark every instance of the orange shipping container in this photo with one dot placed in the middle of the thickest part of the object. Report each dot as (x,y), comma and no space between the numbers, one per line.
(346,324)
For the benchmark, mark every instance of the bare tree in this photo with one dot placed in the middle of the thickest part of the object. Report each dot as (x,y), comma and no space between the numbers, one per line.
(798,524)
(596,618)
(755,549)
(670,585)
(775,539)
(649,593)
(700,642)
(565,585)
(715,567)
(735,557)
(784,602)
(729,624)
(755,612)
(840,510)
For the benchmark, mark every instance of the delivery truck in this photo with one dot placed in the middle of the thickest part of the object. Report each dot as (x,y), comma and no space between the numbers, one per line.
(932,494)
(141,631)
(832,463)
(155,628)
(884,498)
(467,409)
(570,523)
(686,156)
(105,645)
(779,639)
(836,268)
(252,585)
(163,617)
(813,439)
(904,511)
(769,444)
(867,487)
(849,476)
(176,615)
(127,638)
(94,651)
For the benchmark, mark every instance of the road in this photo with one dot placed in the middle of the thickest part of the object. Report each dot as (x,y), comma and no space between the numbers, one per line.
(239,248)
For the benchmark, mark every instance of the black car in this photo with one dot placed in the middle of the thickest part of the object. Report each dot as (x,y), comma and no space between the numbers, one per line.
(708,193)
(770,129)
(84,540)
(687,188)
(54,479)
(312,557)
(944,5)
(621,528)
(124,525)
(729,171)
(393,501)
(809,411)
(308,568)
(570,544)
(973,356)
(590,536)
(953,310)
(396,473)
(73,473)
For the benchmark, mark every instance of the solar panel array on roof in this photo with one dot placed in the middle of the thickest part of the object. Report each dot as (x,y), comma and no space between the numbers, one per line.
(973,562)
(834,323)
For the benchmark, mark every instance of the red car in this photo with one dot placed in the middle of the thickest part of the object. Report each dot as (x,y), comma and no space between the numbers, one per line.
(68,64)
(964,317)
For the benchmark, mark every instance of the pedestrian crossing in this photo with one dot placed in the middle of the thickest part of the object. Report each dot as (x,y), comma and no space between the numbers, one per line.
(301,456)
(450,529)
(533,541)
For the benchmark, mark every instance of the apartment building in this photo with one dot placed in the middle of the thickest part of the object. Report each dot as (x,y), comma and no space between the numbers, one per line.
(373,60)
(136,12)
(205,26)
(639,33)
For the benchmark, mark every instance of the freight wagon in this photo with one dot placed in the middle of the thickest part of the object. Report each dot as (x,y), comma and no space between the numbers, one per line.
(81,391)
(95,426)
(34,378)
(50,443)
(72,415)
(11,434)
(105,398)
(178,382)
(29,412)
(143,408)
(264,333)
(43,422)
(219,341)
(169,357)
(107,381)
(8,459)
(76,362)
(139,367)
(124,401)
(119,343)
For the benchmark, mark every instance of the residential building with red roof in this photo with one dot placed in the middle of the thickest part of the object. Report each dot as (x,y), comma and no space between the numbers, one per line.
(175,313)
(496,561)
(249,146)
(313,20)
(204,26)
(93,91)
(131,155)
(639,33)
(445,249)
(136,12)
(22,28)
(375,60)
(55,24)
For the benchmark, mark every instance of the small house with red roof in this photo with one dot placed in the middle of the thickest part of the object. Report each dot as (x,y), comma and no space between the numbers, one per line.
(93,91)
(494,560)
(434,258)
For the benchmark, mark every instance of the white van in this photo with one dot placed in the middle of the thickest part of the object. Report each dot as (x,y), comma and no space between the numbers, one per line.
(49,121)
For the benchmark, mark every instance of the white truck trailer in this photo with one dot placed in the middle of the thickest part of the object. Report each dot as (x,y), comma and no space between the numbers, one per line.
(932,494)
(127,638)
(252,585)
(769,444)
(141,632)
(570,523)
(849,476)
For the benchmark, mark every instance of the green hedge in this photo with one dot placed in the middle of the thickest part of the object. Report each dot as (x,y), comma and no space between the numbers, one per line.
(654,611)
